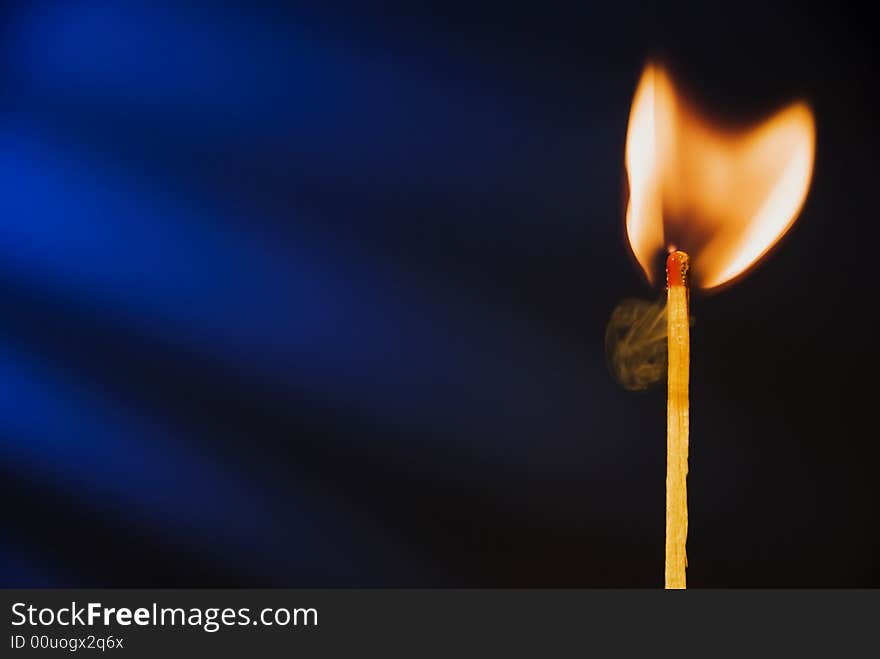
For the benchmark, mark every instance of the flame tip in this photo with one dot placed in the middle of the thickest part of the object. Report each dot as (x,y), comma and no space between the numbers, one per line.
(727,195)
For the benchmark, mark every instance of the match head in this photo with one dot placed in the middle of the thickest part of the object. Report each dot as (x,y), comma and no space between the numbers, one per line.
(677,265)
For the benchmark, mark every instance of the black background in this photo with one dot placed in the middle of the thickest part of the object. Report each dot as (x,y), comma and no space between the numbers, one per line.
(511,218)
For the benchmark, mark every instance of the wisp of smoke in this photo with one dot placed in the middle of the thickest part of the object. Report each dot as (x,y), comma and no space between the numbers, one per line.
(635,343)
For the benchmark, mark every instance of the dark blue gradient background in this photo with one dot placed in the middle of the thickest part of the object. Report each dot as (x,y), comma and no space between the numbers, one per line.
(316,296)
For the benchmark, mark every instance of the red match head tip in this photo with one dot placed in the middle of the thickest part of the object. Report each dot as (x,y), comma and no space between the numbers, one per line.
(677,264)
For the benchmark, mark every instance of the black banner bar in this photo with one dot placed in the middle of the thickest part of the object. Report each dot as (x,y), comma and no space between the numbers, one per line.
(418,623)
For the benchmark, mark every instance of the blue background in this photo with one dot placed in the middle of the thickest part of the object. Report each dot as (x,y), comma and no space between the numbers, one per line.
(316,296)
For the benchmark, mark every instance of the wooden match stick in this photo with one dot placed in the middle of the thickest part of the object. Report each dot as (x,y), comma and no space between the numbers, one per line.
(677,418)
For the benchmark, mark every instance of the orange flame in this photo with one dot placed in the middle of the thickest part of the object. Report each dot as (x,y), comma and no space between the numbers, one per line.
(725,197)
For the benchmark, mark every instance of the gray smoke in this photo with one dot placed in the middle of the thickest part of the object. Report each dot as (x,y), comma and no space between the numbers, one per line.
(635,343)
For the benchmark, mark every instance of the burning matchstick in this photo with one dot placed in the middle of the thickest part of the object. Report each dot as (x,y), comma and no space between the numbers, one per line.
(726,196)
(677,417)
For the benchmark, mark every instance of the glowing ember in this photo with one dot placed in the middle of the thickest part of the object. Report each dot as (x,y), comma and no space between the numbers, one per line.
(725,197)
